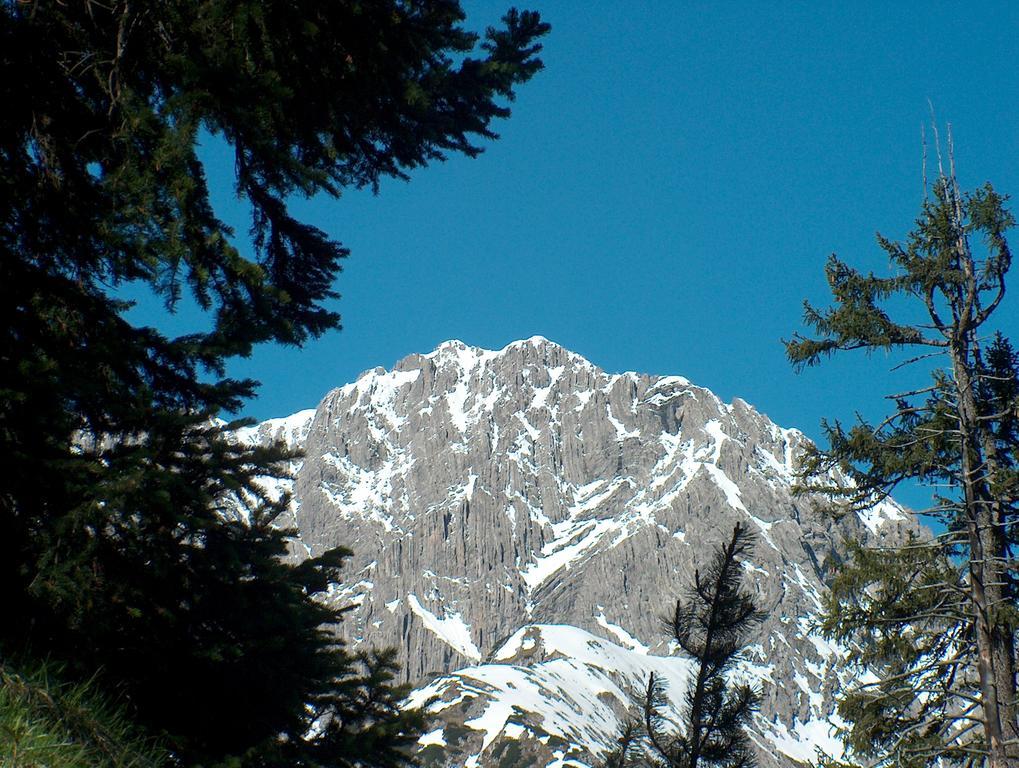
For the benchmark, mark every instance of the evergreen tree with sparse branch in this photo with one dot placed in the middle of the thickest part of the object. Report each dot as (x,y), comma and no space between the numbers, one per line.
(934,619)
(711,624)
(138,546)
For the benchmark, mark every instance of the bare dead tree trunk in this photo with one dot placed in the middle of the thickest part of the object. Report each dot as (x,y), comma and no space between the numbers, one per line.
(985,521)
(995,648)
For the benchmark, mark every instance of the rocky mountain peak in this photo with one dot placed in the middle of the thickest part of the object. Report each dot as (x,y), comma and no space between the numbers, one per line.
(491,497)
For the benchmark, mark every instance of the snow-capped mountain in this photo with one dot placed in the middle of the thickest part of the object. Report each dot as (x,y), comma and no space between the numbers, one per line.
(521,520)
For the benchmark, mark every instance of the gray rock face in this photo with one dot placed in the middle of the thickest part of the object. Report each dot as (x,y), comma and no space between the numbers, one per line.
(490,497)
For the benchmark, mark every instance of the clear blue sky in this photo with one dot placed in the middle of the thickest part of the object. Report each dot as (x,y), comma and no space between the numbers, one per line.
(665,194)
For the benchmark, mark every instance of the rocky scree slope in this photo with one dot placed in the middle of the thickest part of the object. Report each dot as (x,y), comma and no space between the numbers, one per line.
(520,521)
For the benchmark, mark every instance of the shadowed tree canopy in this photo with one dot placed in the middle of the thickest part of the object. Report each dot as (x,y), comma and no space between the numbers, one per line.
(136,536)
(103,107)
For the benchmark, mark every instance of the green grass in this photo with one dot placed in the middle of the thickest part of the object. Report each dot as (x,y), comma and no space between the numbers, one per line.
(47,723)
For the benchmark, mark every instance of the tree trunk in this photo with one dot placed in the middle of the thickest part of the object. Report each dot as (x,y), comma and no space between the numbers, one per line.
(988,572)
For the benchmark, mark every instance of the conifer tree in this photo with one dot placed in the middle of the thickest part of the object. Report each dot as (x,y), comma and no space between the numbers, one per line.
(934,619)
(711,624)
(122,552)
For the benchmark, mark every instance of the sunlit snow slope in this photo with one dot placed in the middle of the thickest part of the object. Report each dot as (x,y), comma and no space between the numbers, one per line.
(521,519)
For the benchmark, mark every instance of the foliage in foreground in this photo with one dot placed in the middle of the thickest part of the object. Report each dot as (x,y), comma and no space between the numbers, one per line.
(137,543)
(712,624)
(46,723)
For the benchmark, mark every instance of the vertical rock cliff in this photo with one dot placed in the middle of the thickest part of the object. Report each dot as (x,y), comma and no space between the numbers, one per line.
(521,520)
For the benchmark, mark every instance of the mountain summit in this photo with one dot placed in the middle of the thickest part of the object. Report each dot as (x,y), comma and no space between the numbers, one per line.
(521,520)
